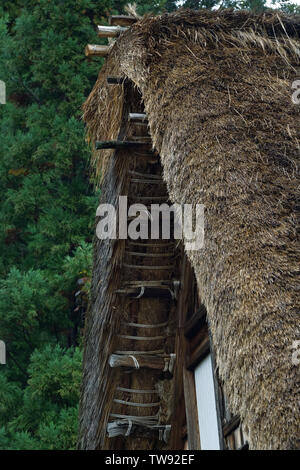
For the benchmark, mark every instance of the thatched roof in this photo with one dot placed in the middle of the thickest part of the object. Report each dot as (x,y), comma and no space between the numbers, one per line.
(217,91)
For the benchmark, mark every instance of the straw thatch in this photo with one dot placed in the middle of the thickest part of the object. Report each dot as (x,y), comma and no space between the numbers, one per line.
(217,91)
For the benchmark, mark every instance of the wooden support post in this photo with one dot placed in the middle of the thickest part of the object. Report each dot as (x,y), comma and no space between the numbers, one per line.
(122,20)
(95,50)
(110,31)
(190,409)
(117,144)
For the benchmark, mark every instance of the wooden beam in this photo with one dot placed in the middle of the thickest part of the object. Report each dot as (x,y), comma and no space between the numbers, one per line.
(110,31)
(195,322)
(200,352)
(117,144)
(191,410)
(122,20)
(231,425)
(95,50)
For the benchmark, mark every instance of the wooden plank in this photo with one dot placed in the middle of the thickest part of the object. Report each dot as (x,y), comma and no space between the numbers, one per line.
(200,352)
(122,20)
(217,393)
(191,410)
(110,31)
(229,427)
(179,415)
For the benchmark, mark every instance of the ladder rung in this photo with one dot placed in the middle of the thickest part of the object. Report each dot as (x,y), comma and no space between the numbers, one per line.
(154,199)
(110,31)
(119,428)
(147,362)
(134,390)
(156,245)
(149,255)
(135,266)
(135,404)
(121,20)
(117,144)
(138,117)
(97,50)
(115,80)
(146,175)
(159,283)
(146,292)
(146,181)
(145,139)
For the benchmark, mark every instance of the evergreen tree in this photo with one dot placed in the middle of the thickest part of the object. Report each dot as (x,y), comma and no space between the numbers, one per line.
(46,216)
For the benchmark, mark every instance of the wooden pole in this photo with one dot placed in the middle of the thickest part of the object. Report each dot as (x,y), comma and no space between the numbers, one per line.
(110,31)
(122,20)
(97,50)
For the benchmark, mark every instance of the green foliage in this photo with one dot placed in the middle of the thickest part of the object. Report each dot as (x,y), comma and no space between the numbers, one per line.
(46,215)
(45,415)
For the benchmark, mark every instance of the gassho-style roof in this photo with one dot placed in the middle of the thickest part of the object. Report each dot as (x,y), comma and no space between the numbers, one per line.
(216,87)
